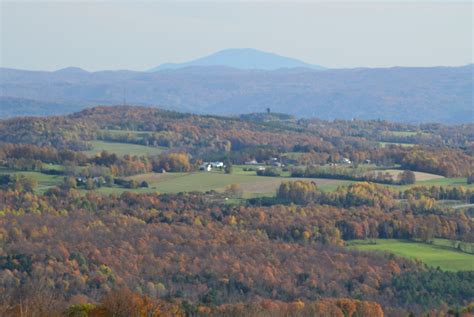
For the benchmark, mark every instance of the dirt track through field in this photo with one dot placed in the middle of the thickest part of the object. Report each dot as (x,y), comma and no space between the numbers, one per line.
(420,176)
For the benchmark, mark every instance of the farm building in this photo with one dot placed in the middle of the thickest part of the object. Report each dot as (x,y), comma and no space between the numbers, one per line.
(251,162)
(345,160)
(217,164)
(205,167)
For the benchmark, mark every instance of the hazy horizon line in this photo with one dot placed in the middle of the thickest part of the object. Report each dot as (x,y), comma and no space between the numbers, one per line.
(73,66)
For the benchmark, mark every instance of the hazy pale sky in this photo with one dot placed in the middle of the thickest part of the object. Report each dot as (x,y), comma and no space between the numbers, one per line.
(140,35)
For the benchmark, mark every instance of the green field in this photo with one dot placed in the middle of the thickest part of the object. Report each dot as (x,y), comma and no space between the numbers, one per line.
(403,133)
(123,148)
(408,133)
(202,181)
(251,184)
(383,144)
(453,181)
(134,133)
(45,181)
(440,253)
(445,181)
(183,182)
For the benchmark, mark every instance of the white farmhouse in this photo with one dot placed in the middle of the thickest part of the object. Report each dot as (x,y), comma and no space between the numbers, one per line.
(206,167)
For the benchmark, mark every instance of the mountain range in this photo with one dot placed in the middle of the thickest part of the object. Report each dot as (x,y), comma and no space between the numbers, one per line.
(404,94)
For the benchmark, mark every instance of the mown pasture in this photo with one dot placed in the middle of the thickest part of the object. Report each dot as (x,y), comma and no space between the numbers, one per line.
(123,148)
(251,184)
(440,253)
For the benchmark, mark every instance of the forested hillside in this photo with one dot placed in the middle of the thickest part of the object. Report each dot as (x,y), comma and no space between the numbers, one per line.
(17,107)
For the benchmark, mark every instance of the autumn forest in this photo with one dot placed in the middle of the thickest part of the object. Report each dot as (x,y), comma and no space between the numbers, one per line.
(135,211)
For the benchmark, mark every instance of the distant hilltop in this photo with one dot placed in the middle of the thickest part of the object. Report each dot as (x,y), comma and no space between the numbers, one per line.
(242,58)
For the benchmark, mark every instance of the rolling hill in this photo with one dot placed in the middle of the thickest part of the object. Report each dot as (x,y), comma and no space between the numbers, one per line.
(15,107)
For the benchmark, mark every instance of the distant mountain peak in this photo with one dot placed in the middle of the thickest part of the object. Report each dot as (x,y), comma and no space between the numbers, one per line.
(242,58)
(71,70)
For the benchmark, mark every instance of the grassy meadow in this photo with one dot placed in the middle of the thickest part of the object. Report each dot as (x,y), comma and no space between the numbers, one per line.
(420,176)
(123,148)
(440,253)
(127,132)
(251,184)
(45,181)
(403,133)
(451,181)
(384,144)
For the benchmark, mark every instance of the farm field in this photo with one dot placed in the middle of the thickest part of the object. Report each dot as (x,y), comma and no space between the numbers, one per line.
(203,181)
(383,144)
(251,184)
(426,179)
(440,253)
(420,176)
(403,133)
(440,181)
(451,181)
(182,182)
(269,185)
(123,148)
(126,132)
(408,133)
(45,181)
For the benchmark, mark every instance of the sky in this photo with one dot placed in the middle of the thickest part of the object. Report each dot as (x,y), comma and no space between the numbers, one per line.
(139,35)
